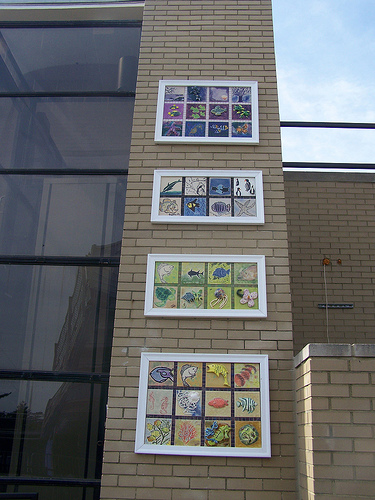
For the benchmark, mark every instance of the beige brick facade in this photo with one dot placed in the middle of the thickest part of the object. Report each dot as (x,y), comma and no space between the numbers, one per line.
(208,40)
(336,427)
(331,215)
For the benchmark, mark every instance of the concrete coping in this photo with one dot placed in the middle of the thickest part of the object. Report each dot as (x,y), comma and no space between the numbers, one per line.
(334,351)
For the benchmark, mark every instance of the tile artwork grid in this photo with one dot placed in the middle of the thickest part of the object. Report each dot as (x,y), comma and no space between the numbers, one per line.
(216,196)
(189,111)
(242,429)
(212,285)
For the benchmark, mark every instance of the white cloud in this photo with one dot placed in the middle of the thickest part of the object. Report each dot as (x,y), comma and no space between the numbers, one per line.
(325,100)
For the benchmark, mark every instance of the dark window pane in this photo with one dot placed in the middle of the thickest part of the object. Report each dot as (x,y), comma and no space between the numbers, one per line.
(56,133)
(27,495)
(76,215)
(56,317)
(56,492)
(70,59)
(46,427)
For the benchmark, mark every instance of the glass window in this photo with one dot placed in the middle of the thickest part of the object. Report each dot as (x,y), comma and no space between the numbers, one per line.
(56,317)
(66,128)
(45,428)
(80,215)
(70,59)
(53,492)
(65,132)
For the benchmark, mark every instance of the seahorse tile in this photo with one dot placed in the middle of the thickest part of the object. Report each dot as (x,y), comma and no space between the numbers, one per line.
(159,402)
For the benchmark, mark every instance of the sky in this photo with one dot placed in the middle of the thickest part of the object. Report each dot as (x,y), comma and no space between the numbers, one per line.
(325,57)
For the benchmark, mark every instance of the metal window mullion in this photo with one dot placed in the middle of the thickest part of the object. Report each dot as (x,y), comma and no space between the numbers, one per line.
(50,376)
(62,172)
(42,260)
(65,94)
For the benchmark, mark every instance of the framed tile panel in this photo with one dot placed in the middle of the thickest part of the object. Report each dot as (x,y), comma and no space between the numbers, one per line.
(214,286)
(211,112)
(203,404)
(208,197)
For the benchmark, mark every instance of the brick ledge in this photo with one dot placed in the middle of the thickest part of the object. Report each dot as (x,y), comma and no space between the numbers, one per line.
(334,350)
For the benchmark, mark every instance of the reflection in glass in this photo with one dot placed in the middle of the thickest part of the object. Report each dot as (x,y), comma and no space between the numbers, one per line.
(65,132)
(71,59)
(45,428)
(68,215)
(56,318)
(56,492)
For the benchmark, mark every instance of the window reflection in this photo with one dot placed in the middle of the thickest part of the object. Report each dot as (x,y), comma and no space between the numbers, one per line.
(55,492)
(45,428)
(85,59)
(68,215)
(56,318)
(59,133)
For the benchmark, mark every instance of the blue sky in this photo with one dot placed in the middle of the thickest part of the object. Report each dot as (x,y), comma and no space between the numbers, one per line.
(325,56)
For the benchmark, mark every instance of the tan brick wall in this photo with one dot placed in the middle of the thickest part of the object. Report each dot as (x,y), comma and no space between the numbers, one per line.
(335,389)
(333,219)
(208,39)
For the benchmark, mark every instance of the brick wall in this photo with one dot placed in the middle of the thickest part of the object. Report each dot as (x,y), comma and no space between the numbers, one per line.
(331,216)
(335,389)
(209,39)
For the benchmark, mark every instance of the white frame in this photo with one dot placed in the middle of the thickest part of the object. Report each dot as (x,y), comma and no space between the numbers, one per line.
(254,139)
(260,312)
(208,219)
(263,451)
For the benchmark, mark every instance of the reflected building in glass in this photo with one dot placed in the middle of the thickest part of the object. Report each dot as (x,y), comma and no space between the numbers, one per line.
(66,104)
